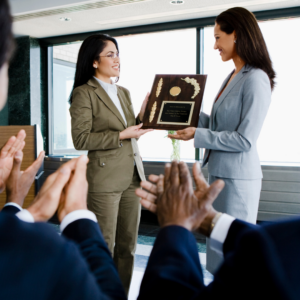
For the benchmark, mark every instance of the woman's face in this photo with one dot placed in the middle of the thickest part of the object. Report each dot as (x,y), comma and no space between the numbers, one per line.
(3,84)
(224,43)
(109,65)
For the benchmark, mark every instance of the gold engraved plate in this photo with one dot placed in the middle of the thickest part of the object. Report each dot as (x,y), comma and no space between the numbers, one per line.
(170,115)
(175,91)
(160,83)
(196,85)
(152,113)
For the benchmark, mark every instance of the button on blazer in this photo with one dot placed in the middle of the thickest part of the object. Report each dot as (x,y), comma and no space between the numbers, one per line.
(230,133)
(96,124)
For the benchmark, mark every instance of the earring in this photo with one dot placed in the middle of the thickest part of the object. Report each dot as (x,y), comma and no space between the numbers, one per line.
(95,67)
(235,41)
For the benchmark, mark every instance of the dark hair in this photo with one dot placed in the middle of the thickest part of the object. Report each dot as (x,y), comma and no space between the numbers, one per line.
(250,43)
(7,43)
(89,52)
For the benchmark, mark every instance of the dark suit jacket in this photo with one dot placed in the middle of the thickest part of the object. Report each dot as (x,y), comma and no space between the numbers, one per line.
(260,262)
(37,263)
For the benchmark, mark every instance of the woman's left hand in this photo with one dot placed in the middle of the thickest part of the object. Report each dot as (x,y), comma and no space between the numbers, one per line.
(185,134)
(143,108)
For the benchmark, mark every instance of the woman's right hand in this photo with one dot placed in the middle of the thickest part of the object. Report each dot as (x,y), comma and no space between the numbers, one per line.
(133,132)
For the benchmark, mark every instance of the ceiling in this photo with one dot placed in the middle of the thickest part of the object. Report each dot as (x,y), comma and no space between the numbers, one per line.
(41,18)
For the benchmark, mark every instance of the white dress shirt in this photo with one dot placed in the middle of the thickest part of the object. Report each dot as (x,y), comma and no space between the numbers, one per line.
(219,233)
(217,237)
(73,216)
(112,92)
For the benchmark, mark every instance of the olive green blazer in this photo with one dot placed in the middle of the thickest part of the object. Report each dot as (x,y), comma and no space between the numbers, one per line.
(96,124)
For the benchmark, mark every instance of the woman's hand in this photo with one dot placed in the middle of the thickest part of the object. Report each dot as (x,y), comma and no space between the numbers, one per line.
(133,132)
(143,108)
(185,134)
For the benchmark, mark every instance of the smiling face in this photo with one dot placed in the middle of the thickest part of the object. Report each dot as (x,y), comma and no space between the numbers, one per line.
(224,43)
(109,66)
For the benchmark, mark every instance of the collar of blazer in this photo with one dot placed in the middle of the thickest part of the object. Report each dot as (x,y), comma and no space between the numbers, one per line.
(100,92)
(230,86)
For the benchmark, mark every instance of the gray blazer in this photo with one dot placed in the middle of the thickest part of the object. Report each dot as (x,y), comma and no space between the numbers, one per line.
(230,133)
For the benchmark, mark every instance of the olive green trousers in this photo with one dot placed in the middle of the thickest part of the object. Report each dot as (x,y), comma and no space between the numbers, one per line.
(118,216)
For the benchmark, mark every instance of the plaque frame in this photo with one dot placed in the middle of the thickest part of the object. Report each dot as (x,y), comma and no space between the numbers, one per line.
(160,92)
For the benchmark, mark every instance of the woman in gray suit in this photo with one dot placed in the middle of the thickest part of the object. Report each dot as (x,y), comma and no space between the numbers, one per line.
(230,133)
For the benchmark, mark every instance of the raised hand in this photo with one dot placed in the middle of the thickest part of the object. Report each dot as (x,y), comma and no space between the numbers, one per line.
(75,193)
(46,202)
(19,182)
(7,155)
(133,132)
(185,134)
(143,108)
(148,194)
(178,205)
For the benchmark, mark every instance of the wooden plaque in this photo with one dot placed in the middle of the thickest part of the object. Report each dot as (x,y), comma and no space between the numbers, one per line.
(174,102)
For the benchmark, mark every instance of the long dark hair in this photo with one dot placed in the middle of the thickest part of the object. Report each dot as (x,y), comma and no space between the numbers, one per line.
(7,43)
(89,52)
(250,43)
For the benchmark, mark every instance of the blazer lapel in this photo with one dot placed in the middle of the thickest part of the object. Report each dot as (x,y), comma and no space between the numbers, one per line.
(213,107)
(100,92)
(124,106)
(234,81)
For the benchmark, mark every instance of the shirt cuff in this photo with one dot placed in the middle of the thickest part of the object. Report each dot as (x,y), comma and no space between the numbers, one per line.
(25,216)
(219,233)
(13,204)
(77,215)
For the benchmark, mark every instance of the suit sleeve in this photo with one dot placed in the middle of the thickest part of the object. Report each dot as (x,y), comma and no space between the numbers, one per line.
(173,270)
(236,230)
(10,209)
(87,235)
(82,121)
(256,101)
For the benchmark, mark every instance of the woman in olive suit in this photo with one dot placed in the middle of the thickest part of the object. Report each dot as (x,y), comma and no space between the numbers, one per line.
(229,134)
(103,122)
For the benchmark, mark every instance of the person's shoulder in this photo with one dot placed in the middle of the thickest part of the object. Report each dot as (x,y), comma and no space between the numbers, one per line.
(83,88)
(257,78)
(122,88)
(257,74)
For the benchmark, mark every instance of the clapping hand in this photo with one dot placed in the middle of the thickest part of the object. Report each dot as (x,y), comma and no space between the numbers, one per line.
(173,199)
(7,155)
(19,182)
(65,190)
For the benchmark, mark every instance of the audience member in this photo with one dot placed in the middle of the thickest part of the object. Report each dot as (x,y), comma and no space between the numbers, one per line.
(260,262)
(35,262)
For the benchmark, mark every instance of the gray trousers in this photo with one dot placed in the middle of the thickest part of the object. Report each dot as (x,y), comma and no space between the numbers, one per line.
(240,199)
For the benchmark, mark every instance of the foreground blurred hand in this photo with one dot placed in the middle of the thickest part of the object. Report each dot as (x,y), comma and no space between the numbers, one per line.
(47,200)
(174,200)
(7,155)
(74,195)
(19,182)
